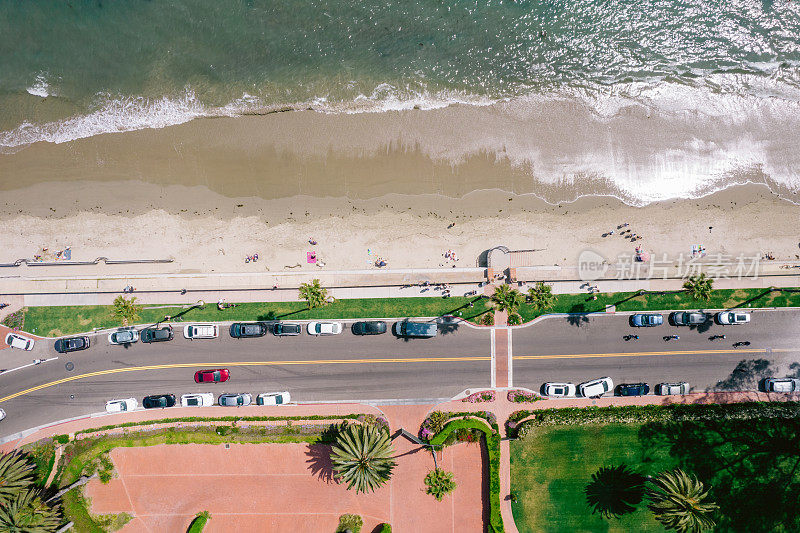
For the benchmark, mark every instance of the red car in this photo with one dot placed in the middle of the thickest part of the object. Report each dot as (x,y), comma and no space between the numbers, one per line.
(212,376)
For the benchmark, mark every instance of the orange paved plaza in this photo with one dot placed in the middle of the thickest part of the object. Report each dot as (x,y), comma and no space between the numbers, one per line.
(282,487)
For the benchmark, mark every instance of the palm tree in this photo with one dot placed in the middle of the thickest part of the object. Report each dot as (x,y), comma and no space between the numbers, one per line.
(126,310)
(699,286)
(541,296)
(362,456)
(28,513)
(314,294)
(15,476)
(615,491)
(676,500)
(507,299)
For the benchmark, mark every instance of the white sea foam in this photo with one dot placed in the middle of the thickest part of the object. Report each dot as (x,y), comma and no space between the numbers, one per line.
(40,87)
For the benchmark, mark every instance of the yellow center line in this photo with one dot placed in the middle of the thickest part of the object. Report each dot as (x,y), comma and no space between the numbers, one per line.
(244,363)
(645,354)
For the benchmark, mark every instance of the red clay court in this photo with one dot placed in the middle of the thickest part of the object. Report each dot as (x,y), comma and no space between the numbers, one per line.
(283,488)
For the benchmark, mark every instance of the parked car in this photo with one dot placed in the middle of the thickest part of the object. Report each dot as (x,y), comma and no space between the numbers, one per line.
(666,389)
(218,375)
(646,320)
(324,328)
(121,406)
(273,398)
(596,387)
(369,327)
(241,330)
(201,331)
(727,318)
(72,344)
(782,385)
(158,400)
(424,330)
(197,399)
(235,400)
(149,335)
(15,340)
(2,414)
(688,318)
(124,336)
(633,389)
(283,329)
(558,390)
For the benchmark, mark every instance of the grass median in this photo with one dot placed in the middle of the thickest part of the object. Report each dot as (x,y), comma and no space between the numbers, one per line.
(656,301)
(54,321)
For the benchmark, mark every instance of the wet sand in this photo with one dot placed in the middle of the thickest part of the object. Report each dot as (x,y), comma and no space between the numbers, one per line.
(210,192)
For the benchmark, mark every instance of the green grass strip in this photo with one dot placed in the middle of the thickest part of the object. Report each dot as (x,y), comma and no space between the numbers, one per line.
(54,321)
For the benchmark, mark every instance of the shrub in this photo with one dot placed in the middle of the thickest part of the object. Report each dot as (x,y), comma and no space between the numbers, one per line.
(199,522)
(519,396)
(487,319)
(350,523)
(439,483)
(385,528)
(61,439)
(15,321)
(482,396)
(514,319)
(436,421)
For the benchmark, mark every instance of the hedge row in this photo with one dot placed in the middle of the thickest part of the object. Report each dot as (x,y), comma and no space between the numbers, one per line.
(653,413)
(217,419)
(493,451)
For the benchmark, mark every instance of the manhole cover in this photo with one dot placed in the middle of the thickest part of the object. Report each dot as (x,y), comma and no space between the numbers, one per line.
(70,366)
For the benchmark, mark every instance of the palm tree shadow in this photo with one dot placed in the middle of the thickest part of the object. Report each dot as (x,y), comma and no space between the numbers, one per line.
(748,375)
(320,463)
(577,319)
(615,491)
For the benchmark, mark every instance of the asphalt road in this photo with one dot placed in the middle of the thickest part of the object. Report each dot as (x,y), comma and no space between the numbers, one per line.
(596,348)
(347,367)
(339,367)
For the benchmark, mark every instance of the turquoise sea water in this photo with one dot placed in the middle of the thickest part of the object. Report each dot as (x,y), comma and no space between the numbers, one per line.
(72,68)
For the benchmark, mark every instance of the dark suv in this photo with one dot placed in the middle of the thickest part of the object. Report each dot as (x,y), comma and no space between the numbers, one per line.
(633,389)
(284,329)
(156,334)
(72,344)
(240,330)
(370,327)
(422,330)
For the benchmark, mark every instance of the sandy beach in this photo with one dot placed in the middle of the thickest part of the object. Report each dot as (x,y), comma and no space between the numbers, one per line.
(391,185)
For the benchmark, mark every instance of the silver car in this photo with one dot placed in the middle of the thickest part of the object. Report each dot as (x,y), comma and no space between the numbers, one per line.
(687,318)
(667,389)
(124,336)
(782,385)
(235,400)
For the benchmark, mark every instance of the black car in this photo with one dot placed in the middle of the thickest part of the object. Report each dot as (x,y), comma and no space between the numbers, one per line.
(156,334)
(72,344)
(633,389)
(282,328)
(241,330)
(158,400)
(370,327)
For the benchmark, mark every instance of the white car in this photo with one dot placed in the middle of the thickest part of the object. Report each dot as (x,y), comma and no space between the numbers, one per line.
(16,340)
(558,390)
(197,399)
(727,318)
(324,328)
(782,385)
(201,331)
(596,387)
(124,336)
(273,398)
(2,414)
(121,406)
(666,389)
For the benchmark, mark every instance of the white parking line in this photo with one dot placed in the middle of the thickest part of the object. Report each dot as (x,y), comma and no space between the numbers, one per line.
(493,381)
(510,358)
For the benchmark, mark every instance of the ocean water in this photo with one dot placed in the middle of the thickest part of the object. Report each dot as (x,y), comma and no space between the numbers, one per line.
(71,69)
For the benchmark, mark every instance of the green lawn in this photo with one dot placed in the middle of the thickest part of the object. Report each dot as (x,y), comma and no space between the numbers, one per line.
(65,320)
(629,301)
(751,467)
(550,470)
